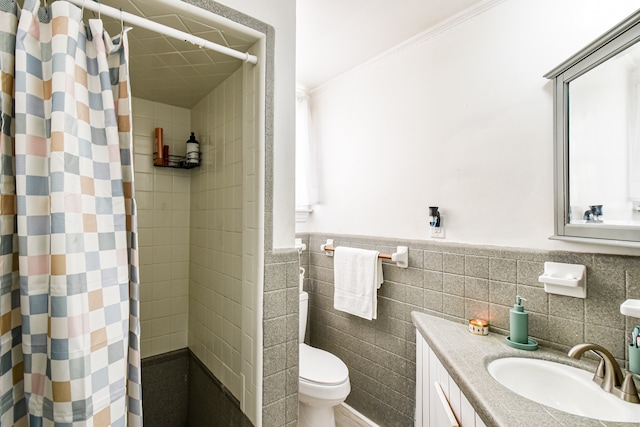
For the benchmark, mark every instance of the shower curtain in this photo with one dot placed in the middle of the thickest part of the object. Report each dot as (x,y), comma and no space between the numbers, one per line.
(69,300)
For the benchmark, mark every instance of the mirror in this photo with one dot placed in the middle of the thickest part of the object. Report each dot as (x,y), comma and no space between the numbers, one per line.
(597,139)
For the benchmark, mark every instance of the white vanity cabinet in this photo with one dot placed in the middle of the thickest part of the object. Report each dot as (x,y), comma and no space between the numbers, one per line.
(439,401)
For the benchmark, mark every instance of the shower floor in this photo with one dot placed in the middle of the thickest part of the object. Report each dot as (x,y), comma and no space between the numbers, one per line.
(179,391)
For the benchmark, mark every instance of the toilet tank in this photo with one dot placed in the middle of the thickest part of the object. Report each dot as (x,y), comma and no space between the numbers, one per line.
(304,310)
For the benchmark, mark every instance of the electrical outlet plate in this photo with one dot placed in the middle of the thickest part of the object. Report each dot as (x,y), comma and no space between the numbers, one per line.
(437,232)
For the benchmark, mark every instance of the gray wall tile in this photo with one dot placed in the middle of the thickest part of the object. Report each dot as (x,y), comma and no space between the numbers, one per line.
(476,289)
(275,277)
(499,316)
(453,263)
(274,388)
(275,304)
(457,282)
(453,305)
(476,309)
(275,359)
(433,260)
(503,270)
(566,307)
(476,266)
(453,284)
(433,300)
(275,331)
(565,332)
(502,293)
(536,298)
(610,338)
(280,337)
(433,280)
(528,272)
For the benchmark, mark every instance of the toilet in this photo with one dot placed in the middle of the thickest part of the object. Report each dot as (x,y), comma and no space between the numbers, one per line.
(323,382)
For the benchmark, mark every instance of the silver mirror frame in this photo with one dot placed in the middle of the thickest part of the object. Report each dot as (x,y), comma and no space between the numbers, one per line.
(614,41)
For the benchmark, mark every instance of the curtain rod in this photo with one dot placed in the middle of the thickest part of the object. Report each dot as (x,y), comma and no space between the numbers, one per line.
(162,29)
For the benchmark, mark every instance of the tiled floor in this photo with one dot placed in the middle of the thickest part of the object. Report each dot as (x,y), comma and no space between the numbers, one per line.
(180,391)
(346,418)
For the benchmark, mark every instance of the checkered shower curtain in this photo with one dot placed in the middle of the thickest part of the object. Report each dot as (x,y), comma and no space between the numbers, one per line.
(69,324)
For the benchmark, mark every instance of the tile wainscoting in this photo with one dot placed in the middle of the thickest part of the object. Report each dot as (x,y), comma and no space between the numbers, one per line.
(280,339)
(457,282)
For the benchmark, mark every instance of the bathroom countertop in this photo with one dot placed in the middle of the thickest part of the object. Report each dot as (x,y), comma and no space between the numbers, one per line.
(465,356)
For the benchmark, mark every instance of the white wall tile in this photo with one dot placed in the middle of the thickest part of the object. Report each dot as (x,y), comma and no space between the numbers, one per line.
(214,245)
(144,142)
(143,182)
(164,301)
(191,238)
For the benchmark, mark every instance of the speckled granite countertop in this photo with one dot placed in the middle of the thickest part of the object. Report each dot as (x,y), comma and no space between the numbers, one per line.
(465,357)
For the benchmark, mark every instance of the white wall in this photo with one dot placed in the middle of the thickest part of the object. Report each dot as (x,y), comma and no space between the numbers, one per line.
(460,118)
(280,14)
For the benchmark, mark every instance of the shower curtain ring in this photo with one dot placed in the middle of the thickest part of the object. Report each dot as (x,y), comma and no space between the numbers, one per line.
(82,10)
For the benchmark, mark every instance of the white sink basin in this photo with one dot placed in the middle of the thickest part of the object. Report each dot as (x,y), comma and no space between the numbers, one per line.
(562,387)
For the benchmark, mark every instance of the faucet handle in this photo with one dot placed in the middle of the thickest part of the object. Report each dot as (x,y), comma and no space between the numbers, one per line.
(629,390)
(598,375)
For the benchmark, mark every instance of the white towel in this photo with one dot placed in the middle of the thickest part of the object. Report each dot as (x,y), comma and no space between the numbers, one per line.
(357,275)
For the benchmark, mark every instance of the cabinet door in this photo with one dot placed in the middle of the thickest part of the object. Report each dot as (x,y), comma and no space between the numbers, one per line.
(442,415)
(420,379)
(467,414)
(425,381)
(445,404)
(440,411)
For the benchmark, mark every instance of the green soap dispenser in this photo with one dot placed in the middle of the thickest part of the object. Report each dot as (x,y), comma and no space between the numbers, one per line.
(519,327)
(519,322)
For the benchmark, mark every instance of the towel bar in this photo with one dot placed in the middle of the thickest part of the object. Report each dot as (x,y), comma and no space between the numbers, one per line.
(400,257)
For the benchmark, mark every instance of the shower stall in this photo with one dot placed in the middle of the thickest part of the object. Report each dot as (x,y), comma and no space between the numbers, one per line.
(201,228)
(210,283)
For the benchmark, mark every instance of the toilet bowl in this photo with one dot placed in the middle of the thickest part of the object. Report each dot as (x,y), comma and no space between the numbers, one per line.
(323,382)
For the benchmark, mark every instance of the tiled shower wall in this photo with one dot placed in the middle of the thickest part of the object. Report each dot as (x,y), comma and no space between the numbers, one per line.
(215,293)
(162,196)
(280,323)
(458,282)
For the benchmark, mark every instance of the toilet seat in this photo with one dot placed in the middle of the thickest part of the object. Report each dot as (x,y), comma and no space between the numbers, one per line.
(321,367)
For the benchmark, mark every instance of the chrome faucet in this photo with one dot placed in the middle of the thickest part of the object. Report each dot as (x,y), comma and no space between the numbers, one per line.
(608,375)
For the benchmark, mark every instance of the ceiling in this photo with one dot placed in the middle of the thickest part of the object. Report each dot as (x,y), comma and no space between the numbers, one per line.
(334,36)
(173,71)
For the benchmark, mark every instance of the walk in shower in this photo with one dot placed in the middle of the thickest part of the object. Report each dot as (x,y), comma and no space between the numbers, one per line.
(200,228)
(211,286)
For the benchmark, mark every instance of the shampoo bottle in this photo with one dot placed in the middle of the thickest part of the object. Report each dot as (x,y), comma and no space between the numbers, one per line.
(193,150)
(519,322)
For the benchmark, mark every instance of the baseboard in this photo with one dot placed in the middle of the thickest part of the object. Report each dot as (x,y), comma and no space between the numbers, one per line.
(359,415)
